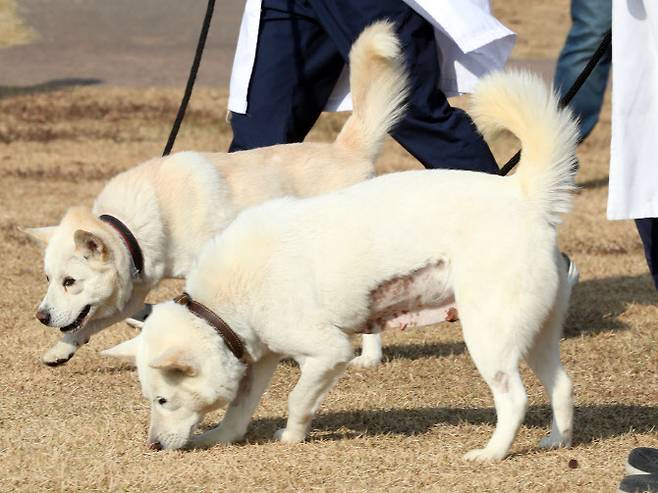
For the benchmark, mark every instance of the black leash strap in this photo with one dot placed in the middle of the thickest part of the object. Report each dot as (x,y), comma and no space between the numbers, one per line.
(575,87)
(191,79)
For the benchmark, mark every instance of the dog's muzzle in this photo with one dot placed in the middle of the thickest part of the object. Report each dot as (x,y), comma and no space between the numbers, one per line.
(78,321)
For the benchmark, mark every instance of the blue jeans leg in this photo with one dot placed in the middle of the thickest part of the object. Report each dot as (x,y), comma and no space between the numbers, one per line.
(590,19)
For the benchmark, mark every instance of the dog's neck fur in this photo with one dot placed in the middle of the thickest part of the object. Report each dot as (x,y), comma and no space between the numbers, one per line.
(163,231)
(254,348)
(144,227)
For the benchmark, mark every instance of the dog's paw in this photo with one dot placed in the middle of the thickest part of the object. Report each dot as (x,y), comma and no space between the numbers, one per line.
(286,435)
(555,441)
(365,361)
(484,455)
(59,354)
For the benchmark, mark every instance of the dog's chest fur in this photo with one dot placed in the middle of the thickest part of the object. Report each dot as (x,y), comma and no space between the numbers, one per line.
(421,297)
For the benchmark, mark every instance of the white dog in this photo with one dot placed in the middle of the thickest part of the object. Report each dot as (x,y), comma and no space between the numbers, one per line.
(101,270)
(298,277)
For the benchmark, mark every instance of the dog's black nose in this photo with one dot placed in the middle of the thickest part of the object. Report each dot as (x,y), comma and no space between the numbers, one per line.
(43,317)
(155,446)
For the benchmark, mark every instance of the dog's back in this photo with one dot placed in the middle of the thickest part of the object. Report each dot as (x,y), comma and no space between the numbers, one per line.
(379,86)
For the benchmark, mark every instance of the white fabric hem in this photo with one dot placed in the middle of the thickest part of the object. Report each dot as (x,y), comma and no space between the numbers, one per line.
(622,214)
(237,105)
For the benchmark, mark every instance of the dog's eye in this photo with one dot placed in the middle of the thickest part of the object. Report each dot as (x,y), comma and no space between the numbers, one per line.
(68,281)
(47,279)
(162,401)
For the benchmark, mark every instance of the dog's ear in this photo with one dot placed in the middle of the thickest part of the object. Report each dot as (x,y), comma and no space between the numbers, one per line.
(126,350)
(176,359)
(90,245)
(39,235)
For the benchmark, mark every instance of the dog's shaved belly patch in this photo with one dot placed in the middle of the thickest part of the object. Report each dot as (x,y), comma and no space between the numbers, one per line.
(422,297)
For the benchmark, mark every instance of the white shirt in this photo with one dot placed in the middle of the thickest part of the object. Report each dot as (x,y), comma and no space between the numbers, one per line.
(633,189)
(471,42)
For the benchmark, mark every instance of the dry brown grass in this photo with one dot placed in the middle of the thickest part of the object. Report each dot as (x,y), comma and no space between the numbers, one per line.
(13,31)
(541,25)
(403,426)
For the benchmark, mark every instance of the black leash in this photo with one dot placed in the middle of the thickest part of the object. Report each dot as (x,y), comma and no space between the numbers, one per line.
(575,87)
(191,78)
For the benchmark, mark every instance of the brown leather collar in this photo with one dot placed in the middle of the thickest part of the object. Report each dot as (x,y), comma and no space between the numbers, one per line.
(231,339)
(131,243)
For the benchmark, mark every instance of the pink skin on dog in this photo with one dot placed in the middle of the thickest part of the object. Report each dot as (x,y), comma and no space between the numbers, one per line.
(422,297)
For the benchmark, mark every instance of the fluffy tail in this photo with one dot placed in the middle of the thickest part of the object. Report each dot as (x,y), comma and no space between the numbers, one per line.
(378,82)
(521,103)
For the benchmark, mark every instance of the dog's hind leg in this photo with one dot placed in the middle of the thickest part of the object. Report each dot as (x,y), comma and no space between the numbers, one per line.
(495,352)
(544,359)
(318,373)
(238,415)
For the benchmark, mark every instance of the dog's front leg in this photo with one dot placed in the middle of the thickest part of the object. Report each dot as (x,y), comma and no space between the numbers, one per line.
(66,347)
(318,376)
(234,425)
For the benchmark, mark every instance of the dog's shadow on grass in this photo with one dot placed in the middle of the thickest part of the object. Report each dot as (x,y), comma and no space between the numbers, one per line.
(420,351)
(594,183)
(591,422)
(596,304)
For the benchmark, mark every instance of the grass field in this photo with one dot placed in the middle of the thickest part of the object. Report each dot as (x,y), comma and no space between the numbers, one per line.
(403,426)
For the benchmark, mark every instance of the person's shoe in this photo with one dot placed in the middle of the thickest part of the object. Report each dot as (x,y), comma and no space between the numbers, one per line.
(639,483)
(642,460)
(137,319)
(573,274)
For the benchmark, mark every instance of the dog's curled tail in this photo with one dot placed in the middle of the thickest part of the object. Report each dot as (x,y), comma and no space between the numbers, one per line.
(521,103)
(379,87)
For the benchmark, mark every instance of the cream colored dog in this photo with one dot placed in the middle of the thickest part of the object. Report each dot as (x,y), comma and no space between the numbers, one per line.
(297,278)
(173,205)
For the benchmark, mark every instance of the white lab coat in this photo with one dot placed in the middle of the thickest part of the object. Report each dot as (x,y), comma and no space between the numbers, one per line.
(470,40)
(633,189)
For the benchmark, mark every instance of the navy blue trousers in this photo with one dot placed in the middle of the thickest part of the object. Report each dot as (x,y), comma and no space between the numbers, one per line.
(648,229)
(302,47)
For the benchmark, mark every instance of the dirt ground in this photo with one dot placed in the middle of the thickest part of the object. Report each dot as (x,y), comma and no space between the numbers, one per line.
(402,426)
(13,29)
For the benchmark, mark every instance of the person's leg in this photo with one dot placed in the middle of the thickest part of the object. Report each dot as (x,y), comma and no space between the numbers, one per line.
(295,70)
(438,135)
(590,20)
(648,229)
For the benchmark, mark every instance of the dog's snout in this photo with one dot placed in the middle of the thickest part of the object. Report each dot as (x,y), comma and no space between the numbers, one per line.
(155,445)
(43,316)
